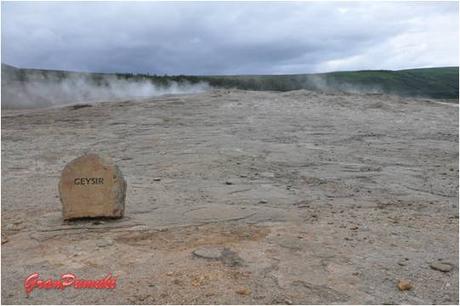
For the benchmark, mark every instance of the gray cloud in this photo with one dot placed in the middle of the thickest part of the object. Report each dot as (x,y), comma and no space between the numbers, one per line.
(229,38)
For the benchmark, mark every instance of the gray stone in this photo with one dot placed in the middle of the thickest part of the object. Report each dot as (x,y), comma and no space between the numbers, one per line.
(442,266)
(209,252)
(226,256)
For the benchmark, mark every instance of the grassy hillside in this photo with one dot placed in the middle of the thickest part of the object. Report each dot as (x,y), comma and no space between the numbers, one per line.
(439,83)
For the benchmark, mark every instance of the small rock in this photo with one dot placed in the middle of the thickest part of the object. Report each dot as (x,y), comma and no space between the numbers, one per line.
(404,285)
(156,179)
(228,183)
(354,228)
(244,291)
(263,201)
(442,266)
(403,262)
(214,253)
(169,273)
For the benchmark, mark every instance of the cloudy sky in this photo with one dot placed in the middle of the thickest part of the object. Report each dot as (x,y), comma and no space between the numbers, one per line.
(229,38)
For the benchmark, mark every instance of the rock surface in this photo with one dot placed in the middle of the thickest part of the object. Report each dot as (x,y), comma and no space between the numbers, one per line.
(92,186)
(331,149)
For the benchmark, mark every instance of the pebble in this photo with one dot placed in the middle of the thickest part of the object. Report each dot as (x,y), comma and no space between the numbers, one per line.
(442,266)
(244,291)
(263,201)
(403,262)
(228,183)
(209,252)
(156,179)
(404,285)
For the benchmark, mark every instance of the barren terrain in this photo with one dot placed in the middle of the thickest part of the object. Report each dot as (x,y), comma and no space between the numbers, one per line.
(240,197)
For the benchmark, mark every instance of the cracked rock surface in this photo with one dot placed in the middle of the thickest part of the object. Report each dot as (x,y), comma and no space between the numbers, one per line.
(310,198)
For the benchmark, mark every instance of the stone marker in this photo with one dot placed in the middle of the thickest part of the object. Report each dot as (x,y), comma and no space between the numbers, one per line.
(92,186)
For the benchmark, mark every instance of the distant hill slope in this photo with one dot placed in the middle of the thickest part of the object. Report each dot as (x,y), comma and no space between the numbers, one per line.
(437,83)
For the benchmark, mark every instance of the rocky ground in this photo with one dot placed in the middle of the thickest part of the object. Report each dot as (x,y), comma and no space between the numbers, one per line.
(241,197)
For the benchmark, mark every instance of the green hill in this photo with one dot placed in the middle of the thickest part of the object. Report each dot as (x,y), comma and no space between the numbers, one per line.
(439,83)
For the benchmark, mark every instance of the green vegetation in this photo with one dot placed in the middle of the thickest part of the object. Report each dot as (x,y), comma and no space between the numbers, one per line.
(439,83)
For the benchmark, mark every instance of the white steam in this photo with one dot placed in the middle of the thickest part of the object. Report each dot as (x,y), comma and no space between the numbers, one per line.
(322,83)
(78,89)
